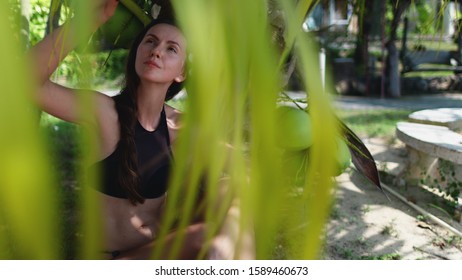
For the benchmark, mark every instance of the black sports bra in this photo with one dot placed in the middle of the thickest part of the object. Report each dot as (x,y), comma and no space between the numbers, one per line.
(154,163)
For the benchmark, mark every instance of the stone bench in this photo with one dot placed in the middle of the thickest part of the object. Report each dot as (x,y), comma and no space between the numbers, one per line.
(436,141)
(434,151)
(417,61)
(449,117)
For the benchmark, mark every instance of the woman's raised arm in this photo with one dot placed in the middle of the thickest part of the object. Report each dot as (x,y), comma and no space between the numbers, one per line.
(48,54)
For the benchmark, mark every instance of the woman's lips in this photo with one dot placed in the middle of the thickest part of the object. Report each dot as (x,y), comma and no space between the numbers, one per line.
(152,64)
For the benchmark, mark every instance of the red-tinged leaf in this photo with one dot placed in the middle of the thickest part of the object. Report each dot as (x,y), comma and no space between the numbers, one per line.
(361,157)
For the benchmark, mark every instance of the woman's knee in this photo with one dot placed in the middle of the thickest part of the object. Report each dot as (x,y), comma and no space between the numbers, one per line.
(194,241)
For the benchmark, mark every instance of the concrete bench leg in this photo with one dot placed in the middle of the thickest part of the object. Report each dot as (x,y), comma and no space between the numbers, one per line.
(433,172)
(420,165)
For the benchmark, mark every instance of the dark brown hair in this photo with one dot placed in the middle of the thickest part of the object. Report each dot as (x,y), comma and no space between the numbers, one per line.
(127,110)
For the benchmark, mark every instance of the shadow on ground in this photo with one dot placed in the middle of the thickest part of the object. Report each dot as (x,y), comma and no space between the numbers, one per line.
(365,224)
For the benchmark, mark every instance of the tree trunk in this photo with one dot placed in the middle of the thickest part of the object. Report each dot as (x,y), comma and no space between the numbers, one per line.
(25,17)
(53,16)
(393,75)
(361,54)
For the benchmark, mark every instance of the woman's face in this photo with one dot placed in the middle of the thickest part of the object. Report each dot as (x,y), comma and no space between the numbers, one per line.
(161,55)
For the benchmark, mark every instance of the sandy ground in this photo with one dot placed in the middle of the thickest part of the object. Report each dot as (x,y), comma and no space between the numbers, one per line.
(365,224)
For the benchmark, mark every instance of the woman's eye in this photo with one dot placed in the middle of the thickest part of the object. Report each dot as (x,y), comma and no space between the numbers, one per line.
(150,41)
(172,49)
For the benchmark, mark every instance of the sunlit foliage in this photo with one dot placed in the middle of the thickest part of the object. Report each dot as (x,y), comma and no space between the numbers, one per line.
(233,86)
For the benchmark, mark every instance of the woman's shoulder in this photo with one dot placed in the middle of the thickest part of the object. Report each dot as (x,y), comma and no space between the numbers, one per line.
(173,116)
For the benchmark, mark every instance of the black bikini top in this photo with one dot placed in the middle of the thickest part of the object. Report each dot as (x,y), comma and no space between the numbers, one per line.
(154,163)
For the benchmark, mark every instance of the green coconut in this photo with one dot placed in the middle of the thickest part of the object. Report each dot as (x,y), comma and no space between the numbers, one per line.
(294,128)
(294,165)
(122,28)
(343,156)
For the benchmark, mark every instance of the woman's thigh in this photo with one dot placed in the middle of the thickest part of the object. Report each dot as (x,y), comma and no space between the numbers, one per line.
(192,240)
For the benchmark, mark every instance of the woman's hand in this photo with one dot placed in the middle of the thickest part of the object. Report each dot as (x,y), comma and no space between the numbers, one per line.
(105,9)
(47,54)
(98,11)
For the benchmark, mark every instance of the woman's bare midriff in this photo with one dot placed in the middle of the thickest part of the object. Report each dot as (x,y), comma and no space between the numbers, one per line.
(127,226)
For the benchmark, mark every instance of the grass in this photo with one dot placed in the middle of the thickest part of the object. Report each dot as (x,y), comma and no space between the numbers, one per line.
(373,123)
(435,44)
(389,230)
(428,74)
(391,256)
(350,254)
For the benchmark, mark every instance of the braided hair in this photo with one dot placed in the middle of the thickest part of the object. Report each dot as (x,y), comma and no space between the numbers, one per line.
(126,106)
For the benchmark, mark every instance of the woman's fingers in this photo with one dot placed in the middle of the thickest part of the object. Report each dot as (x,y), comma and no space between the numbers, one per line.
(107,9)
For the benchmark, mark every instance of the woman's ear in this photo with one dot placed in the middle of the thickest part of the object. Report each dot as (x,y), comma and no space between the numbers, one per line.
(180,78)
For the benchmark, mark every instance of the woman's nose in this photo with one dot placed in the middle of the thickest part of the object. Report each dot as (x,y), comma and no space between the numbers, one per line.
(156,52)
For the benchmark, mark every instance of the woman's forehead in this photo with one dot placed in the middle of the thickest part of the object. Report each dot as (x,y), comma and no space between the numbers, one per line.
(167,32)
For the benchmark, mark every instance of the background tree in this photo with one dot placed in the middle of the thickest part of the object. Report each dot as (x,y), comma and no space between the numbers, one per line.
(53,15)
(25,18)
(393,75)
(367,13)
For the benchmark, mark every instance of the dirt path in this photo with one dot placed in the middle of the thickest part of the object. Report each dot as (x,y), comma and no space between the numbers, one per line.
(365,224)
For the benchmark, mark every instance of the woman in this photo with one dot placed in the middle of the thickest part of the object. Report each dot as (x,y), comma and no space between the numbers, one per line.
(135,131)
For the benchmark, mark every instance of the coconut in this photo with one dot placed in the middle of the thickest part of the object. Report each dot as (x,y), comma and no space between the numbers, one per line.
(343,156)
(294,166)
(122,28)
(294,128)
